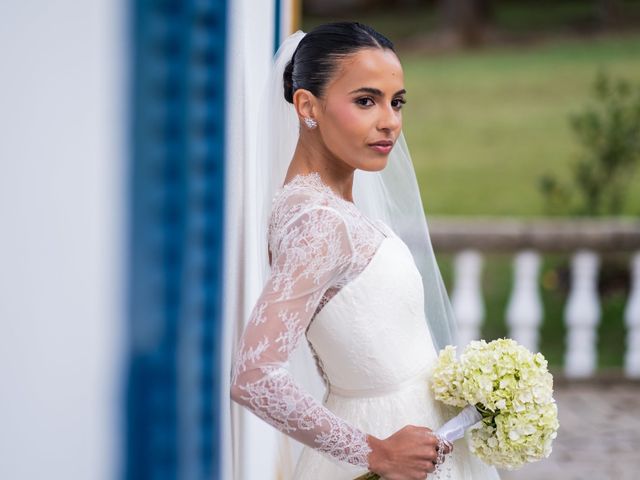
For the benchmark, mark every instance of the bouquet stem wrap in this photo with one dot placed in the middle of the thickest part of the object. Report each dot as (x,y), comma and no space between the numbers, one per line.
(454,429)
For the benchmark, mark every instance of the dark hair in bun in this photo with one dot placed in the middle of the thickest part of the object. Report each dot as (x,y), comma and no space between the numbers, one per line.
(314,61)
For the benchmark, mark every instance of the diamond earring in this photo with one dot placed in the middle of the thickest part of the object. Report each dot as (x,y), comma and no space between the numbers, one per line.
(311,123)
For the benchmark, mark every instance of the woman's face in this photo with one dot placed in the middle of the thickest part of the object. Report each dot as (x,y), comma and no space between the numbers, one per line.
(362,106)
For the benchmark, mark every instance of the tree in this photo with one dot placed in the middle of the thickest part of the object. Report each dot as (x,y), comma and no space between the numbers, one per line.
(610,136)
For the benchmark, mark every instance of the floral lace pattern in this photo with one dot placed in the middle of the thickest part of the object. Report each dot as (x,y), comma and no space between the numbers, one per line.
(319,242)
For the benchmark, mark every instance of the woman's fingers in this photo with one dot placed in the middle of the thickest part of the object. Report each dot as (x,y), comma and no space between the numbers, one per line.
(411,452)
(430,467)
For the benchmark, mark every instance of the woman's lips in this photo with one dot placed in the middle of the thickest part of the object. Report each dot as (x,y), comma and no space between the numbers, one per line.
(382,148)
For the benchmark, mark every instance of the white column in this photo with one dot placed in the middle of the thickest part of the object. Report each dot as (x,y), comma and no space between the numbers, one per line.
(466,298)
(524,311)
(632,321)
(582,314)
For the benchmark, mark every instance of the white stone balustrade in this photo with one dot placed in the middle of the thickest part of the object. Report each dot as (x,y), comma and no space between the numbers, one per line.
(632,322)
(584,239)
(466,298)
(524,311)
(582,315)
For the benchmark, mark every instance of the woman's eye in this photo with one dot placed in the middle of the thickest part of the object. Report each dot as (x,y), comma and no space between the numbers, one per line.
(363,99)
(398,102)
(401,102)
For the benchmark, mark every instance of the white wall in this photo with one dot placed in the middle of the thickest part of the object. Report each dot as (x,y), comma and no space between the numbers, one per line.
(61,227)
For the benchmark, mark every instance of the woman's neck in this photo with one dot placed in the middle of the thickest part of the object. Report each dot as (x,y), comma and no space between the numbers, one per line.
(333,173)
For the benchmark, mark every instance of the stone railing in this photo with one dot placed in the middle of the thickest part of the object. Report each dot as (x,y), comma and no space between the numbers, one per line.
(584,240)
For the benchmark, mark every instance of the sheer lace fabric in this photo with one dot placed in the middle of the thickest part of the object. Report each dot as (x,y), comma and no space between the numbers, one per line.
(319,242)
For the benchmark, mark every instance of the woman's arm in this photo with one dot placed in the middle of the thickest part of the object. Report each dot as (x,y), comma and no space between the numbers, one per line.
(311,252)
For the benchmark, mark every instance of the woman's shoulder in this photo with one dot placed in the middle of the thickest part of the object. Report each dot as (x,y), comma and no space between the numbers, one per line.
(304,192)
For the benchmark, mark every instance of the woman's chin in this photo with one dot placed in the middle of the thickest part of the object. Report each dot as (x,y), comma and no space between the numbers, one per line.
(380,165)
(374,163)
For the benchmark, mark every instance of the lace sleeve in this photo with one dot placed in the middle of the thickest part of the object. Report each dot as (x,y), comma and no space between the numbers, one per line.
(313,250)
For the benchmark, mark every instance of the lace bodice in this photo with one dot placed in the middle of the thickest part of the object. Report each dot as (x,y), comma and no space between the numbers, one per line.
(319,242)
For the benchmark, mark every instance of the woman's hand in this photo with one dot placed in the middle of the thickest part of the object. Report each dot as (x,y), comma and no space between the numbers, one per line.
(409,454)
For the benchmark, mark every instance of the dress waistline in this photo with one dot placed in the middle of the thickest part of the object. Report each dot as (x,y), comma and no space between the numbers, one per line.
(421,376)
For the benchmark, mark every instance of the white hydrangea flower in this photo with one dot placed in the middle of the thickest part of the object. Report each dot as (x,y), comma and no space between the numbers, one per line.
(513,390)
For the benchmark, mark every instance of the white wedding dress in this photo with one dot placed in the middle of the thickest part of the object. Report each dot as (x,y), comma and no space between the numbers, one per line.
(351,286)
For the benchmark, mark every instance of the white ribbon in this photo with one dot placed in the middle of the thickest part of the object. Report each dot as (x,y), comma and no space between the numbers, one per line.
(454,429)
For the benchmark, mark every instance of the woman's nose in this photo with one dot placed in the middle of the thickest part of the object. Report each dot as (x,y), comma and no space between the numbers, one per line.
(389,119)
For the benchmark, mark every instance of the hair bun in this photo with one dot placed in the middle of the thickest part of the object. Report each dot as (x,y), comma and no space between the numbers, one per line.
(287,78)
(316,58)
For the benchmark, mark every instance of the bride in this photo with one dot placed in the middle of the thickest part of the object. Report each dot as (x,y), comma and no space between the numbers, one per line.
(351,269)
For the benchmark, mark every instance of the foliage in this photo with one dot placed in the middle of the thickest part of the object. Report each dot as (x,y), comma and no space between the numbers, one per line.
(609,133)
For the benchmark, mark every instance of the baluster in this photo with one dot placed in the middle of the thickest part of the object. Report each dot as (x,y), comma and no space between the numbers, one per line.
(582,314)
(524,311)
(632,321)
(467,296)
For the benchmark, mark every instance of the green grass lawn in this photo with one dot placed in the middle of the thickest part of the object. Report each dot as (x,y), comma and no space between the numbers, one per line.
(483,126)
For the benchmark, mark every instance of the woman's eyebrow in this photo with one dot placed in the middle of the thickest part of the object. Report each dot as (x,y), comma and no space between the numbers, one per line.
(375,91)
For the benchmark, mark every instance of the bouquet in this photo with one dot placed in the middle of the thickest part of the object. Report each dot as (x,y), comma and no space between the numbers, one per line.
(507,391)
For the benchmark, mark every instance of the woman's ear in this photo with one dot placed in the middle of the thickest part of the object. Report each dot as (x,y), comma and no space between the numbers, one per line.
(305,103)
